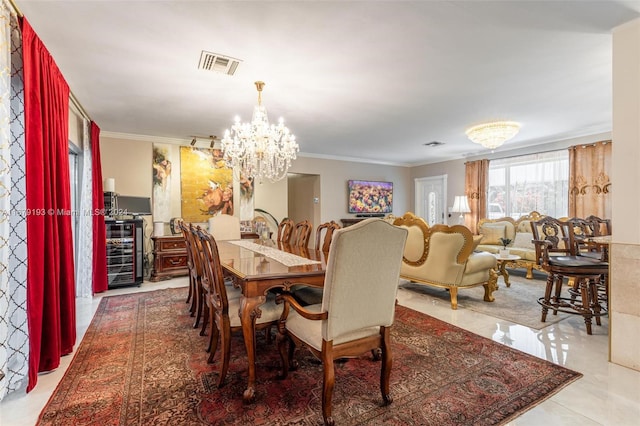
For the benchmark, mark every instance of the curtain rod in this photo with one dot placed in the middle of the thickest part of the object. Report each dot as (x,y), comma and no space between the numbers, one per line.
(15,8)
(78,106)
(72,97)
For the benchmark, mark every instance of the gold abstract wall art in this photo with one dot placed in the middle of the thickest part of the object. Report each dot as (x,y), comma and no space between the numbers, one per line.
(206,184)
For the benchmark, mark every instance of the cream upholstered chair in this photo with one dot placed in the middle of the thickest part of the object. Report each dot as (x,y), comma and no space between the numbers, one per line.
(309,295)
(358,304)
(443,256)
(224,227)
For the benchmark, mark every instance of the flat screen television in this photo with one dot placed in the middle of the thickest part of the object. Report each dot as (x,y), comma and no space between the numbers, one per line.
(368,197)
(134,206)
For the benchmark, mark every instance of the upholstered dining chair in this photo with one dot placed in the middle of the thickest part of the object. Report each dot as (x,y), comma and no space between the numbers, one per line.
(182,229)
(195,273)
(358,305)
(224,227)
(285,230)
(328,228)
(305,294)
(224,316)
(585,272)
(201,263)
(301,234)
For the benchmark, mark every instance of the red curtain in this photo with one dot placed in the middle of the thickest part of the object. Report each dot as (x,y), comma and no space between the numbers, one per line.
(100,283)
(50,276)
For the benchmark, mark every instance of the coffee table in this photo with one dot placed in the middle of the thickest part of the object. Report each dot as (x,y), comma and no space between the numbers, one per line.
(502,264)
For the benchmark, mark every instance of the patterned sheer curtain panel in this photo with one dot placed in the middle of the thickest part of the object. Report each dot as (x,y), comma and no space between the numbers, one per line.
(476,175)
(84,268)
(5,183)
(590,185)
(14,339)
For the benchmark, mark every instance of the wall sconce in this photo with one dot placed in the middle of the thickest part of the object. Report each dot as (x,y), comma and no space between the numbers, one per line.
(461,205)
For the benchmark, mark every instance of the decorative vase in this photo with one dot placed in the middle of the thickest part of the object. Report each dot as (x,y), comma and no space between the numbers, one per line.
(504,252)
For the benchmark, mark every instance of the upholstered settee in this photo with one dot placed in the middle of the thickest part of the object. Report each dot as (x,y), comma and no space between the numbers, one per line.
(443,256)
(521,236)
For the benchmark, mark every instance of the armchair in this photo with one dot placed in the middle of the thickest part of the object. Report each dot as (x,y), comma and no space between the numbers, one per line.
(358,305)
(443,256)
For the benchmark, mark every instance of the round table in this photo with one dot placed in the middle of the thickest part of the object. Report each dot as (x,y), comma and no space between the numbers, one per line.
(502,264)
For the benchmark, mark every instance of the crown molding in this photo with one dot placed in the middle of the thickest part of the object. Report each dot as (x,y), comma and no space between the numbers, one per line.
(186,142)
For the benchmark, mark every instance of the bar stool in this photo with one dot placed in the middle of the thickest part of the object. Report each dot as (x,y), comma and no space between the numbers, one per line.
(587,273)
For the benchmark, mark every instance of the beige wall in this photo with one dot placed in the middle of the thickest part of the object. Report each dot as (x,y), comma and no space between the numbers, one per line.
(624,295)
(75,127)
(129,163)
(334,175)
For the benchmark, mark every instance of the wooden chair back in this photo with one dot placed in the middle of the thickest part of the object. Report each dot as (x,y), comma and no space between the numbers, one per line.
(302,234)
(285,230)
(328,228)
(213,276)
(551,235)
(601,226)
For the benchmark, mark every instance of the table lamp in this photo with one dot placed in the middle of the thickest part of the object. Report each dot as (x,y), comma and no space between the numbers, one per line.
(461,205)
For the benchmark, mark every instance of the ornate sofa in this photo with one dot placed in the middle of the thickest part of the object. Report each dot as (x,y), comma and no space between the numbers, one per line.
(521,236)
(443,256)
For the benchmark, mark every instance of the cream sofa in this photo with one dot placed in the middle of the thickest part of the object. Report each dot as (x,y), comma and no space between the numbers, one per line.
(518,231)
(443,256)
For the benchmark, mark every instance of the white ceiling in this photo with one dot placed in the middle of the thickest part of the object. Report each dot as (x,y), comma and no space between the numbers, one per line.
(366,80)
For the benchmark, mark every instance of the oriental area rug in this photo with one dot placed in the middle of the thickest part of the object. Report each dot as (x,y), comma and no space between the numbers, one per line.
(142,363)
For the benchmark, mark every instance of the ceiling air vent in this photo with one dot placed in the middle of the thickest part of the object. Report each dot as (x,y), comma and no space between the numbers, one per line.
(433,143)
(210,61)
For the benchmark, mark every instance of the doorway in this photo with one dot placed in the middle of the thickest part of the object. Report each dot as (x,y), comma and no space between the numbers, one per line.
(303,195)
(431,198)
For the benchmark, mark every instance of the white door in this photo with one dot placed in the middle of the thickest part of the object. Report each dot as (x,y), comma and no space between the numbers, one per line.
(431,198)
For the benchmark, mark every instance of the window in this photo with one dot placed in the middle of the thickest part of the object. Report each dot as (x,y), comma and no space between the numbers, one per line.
(519,185)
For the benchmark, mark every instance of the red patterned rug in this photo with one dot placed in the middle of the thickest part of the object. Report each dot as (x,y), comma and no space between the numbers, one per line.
(141,363)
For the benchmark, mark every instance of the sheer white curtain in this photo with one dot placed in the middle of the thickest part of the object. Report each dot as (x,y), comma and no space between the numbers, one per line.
(5,183)
(526,183)
(84,273)
(14,342)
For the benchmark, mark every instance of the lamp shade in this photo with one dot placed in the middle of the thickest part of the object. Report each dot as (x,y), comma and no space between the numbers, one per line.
(460,204)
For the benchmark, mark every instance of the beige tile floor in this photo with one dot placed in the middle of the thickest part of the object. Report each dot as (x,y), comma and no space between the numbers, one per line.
(608,394)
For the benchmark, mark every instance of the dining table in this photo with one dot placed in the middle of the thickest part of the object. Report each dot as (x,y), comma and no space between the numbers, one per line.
(258,266)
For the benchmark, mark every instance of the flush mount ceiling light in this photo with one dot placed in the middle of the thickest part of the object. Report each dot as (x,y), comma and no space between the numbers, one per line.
(257,149)
(492,135)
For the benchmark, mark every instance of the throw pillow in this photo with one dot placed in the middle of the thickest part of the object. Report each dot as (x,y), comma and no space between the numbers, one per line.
(523,240)
(492,233)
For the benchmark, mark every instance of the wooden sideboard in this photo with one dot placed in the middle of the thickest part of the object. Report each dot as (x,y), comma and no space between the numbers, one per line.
(169,257)
(351,221)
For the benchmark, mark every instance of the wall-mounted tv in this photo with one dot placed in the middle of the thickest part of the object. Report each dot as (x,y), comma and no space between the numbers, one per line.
(370,197)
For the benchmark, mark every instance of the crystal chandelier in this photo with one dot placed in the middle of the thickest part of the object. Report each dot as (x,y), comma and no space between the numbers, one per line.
(493,135)
(257,149)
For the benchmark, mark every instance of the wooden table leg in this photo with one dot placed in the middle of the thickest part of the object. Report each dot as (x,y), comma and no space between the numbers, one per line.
(249,311)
